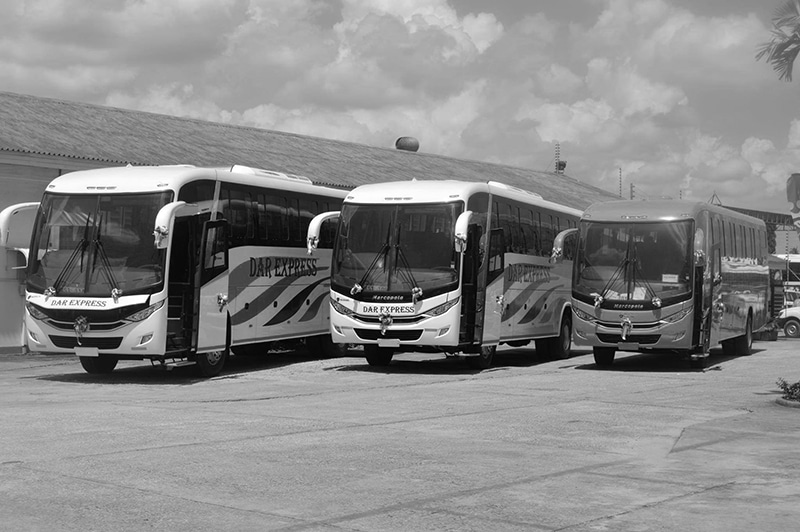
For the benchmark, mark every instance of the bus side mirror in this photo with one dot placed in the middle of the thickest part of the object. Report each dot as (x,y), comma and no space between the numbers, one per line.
(462,226)
(312,236)
(699,246)
(164,221)
(557,255)
(16,226)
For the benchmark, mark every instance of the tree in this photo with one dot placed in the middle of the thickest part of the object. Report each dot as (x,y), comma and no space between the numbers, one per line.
(782,50)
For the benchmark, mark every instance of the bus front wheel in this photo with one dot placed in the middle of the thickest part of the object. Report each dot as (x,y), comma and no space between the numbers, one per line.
(98,365)
(484,359)
(604,356)
(210,364)
(378,356)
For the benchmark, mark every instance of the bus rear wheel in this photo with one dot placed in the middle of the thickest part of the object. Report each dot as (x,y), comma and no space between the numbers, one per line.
(98,365)
(484,359)
(378,356)
(604,356)
(210,364)
(560,346)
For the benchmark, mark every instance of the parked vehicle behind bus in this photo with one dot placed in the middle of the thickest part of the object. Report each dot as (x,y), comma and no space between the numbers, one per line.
(176,264)
(669,275)
(448,266)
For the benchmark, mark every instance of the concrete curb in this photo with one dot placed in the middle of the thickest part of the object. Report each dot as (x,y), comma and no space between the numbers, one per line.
(785,402)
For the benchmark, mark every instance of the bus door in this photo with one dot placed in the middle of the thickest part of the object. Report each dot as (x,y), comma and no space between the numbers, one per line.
(716,303)
(495,285)
(211,289)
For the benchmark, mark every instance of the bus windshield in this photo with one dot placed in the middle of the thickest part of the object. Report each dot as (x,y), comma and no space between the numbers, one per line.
(634,262)
(396,249)
(97,245)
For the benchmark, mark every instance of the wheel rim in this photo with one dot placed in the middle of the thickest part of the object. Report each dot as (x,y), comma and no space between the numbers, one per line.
(792,329)
(213,357)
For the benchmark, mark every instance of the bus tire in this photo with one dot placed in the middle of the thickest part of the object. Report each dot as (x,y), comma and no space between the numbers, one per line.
(560,346)
(792,329)
(324,347)
(378,356)
(744,343)
(210,364)
(98,365)
(604,356)
(484,359)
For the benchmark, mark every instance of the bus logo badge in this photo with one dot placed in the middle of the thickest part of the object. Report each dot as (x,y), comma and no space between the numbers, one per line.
(386,322)
(81,325)
(626,327)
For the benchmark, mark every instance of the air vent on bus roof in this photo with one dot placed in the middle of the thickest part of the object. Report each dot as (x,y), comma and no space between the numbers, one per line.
(515,189)
(241,169)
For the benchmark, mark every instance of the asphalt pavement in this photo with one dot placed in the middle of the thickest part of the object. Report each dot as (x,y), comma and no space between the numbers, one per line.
(293,442)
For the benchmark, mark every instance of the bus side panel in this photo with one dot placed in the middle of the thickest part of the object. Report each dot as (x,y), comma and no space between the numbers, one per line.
(536,292)
(278,293)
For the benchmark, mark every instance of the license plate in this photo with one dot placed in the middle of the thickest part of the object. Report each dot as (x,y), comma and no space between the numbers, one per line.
(389,342)
(628,346)
(87,352)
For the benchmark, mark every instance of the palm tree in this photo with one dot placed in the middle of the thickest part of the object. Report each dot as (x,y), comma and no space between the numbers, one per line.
(782,50)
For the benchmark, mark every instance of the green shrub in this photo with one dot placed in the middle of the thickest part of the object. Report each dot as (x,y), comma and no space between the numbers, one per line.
(791,392)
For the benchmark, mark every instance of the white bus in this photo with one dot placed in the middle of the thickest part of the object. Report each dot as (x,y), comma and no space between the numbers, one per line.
(448,266)
(667,275)
(176,264)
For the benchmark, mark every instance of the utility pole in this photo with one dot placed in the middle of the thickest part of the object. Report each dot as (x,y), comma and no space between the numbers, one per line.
(633,191)
(558,158)
(620,182)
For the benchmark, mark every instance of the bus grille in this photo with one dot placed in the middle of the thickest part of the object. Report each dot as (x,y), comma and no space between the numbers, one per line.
(374,334)
(641,339)
(71,342)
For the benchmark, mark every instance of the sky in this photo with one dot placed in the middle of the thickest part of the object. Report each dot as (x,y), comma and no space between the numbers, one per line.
(664,95)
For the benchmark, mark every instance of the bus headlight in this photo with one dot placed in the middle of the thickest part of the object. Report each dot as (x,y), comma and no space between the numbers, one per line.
(675,318)
(441,309)
(35,312)
(585,316)
(341,309)
(146,313)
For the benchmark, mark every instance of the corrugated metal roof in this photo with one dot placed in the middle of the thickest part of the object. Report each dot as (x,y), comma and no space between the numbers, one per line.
(46,126)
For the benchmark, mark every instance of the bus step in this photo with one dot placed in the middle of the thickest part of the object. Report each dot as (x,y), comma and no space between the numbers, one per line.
(178,364)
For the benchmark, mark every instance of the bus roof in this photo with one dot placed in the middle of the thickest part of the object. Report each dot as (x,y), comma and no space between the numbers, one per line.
(657,210)
(439,191)
(133,179)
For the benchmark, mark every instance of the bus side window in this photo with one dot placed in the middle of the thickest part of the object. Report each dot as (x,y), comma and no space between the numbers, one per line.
(497,248)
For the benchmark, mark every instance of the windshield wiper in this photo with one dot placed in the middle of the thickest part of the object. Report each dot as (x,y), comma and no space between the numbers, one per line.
(405,271)
(620,274)
(106,264)
(358,287)
(80,248)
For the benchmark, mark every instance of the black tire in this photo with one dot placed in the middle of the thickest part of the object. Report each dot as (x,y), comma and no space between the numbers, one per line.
(378,356)
(560,347)
(324,347)
(604,356)
(484,359)
(792,329)
(744,343)
(210,364)
(698,363)
(98,365)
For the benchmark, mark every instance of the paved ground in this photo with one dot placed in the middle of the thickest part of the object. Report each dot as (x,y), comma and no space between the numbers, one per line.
(289,442)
